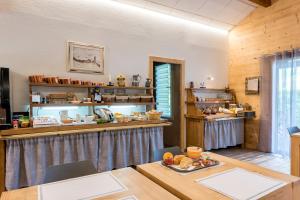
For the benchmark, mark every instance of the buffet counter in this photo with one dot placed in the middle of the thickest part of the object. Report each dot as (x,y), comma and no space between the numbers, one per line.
(215,131)
(61,130)
(28,152)
(223,132)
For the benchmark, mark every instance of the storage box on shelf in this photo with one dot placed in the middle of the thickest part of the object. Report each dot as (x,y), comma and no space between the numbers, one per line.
(108,97)
(122,98)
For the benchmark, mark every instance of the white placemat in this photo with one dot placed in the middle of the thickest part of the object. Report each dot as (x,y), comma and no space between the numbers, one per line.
(86,187)
(131,197)
(240,184)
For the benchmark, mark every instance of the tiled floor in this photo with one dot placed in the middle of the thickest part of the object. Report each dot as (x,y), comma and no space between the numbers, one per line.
(268,160)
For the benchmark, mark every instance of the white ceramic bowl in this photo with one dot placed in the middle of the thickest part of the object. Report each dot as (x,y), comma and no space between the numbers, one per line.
(89,119)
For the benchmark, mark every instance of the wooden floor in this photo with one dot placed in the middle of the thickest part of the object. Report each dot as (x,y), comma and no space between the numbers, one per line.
(268,160)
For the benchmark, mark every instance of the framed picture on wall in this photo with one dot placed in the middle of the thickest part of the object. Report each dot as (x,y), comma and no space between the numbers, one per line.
(85,58)
(252,85)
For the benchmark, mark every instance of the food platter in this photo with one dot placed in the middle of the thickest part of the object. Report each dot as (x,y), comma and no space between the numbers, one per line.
(194,159)
(192,167)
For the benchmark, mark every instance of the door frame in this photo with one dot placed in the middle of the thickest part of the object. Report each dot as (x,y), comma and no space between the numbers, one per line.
(181,63)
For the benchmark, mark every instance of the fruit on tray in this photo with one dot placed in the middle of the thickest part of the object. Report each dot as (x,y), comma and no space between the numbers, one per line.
(168,158)
(194,152)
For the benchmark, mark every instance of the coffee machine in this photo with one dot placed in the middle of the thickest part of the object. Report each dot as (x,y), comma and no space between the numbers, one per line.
(5,110)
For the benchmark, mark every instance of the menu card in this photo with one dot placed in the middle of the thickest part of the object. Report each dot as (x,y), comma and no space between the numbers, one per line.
(240,184)
(86,187)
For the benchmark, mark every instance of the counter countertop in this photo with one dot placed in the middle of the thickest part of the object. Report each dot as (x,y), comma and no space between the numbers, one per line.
(216,117)
(296,135)
(60,130)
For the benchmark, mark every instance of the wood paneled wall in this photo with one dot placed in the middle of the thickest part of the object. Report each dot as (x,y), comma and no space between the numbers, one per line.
(264,31)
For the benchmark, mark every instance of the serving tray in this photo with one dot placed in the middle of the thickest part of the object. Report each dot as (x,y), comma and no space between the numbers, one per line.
(191,168)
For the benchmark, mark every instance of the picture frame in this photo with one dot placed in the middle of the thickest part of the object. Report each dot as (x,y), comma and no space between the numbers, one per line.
(85,58)
(252,85)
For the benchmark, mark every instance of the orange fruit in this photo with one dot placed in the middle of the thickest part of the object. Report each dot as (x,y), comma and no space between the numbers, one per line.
(167,156)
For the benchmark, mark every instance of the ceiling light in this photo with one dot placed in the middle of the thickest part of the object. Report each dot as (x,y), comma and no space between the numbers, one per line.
(121,4)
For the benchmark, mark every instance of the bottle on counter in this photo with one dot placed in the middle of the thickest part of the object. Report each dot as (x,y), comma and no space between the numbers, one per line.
(192,84)
(15,124)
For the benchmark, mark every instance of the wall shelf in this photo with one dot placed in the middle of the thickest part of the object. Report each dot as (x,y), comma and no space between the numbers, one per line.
(89,86)
(92,104)
(147,90)
(209,102)
(213,90)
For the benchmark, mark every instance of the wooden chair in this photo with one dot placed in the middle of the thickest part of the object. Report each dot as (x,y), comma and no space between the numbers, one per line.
(158,154)
(69,170)
(293,130)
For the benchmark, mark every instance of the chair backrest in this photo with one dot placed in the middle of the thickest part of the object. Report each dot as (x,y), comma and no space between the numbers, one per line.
(158,154)
(293,130)
(69,170)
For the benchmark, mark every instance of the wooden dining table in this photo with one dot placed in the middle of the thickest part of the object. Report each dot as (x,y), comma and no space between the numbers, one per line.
(186,187)
(137,185)
(295,154)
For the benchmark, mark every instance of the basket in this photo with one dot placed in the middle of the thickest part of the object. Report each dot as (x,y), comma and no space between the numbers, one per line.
(154,116)
(134,98)
(123,119)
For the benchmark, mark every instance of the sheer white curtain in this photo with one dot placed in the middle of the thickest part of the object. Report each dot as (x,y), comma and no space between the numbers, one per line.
(286,99)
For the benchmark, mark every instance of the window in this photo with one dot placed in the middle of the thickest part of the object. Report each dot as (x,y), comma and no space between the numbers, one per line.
(286,101)
(162,82)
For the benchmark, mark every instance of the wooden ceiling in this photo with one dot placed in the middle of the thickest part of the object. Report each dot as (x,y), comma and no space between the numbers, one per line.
(264,3)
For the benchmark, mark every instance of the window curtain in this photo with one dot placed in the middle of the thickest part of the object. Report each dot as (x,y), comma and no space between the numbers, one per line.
(265,129)
(286,99)
(223,133)
(28,159)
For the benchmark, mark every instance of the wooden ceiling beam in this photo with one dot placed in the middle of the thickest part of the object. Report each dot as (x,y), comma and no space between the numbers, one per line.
(264,3)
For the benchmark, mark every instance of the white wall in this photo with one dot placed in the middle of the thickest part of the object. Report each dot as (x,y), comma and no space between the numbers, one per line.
(33,35)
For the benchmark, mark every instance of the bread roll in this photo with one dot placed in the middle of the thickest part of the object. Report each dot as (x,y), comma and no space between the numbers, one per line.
(177,159)
(185,162)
